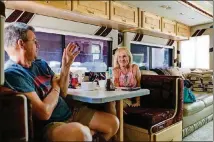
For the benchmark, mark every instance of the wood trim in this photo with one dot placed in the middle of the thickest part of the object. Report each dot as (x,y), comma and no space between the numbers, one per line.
(119,105)
(175,133)
(199,9)
(134,133)
(155,34)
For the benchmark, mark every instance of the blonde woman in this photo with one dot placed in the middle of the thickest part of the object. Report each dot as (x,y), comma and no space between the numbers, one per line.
(126,74)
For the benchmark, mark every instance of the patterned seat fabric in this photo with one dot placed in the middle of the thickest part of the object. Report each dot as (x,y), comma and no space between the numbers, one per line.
(157,108)
(146,117)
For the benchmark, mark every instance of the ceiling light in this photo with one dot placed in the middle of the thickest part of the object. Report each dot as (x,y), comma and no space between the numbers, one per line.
(165,7)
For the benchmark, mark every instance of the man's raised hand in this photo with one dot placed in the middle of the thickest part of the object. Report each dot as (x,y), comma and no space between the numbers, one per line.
(69,55)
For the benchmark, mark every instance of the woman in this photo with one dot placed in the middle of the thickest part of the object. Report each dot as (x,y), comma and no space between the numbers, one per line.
(126,74)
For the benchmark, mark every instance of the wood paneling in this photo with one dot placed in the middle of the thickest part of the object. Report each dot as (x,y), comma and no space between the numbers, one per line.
(123,13)
(183,30)
(168,26)
(94,8)
(150,21)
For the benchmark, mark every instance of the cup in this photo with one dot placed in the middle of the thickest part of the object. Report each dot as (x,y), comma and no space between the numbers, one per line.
(88,86)
(102,83)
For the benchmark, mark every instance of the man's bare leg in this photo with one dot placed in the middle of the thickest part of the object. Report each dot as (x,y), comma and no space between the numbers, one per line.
(105,123)
(71,132)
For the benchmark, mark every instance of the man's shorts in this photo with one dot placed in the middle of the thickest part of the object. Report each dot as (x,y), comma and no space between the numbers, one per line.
(82,115)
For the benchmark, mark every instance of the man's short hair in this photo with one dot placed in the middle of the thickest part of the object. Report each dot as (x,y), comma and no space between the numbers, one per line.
(15,31)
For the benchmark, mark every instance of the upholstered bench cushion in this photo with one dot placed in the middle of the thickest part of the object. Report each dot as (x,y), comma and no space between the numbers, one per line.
(146,117)
(208,101)
(193,108)
(207,98)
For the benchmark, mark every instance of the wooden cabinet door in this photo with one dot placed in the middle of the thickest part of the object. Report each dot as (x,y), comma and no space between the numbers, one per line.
(95,8)
(183,30)
(65,4)
(123,13)
(175,131)
(168,26)
(150,21)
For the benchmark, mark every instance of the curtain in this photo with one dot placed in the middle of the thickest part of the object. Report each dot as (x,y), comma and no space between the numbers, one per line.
(195,52)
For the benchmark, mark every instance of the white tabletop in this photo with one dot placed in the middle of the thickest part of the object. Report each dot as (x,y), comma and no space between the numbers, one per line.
(102,96)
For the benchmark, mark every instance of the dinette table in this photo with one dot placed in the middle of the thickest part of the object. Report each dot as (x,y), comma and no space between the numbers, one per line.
(99,96)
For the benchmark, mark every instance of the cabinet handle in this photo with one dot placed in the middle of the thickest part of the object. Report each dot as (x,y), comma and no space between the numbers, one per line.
(124,20)
(91,12)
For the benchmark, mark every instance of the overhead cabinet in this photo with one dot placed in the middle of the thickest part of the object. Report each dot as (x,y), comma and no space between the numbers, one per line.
(95,8)
(66,5)
(183,30)
(168,26)
(150,21)
(123,13)
(115,14)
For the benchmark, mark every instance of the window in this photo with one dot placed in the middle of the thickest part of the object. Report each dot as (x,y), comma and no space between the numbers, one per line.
(149,56)
(93,53)
(50,46)
(140,54)
(161,57)
(195,52)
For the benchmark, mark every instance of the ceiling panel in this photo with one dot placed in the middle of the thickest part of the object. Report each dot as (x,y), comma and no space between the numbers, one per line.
(205,5)
(179,11)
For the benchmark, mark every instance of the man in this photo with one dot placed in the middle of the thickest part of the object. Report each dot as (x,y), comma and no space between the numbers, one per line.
(25,73)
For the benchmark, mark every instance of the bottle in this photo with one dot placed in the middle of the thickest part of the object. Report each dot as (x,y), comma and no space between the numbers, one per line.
(111,76)
(110,71)
(108,82)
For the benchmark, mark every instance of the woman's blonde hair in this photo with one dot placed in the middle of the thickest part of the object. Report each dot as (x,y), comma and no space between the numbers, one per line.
(116,64)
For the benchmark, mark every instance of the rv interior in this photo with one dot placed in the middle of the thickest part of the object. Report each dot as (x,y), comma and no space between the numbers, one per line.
(170,41)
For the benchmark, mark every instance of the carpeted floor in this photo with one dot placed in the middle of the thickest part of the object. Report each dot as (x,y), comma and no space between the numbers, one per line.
(205,133)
